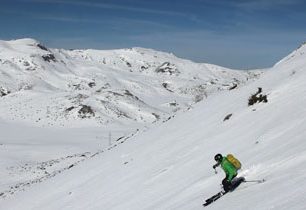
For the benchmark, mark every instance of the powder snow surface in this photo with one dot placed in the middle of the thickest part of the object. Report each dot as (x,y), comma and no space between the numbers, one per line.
(168,165)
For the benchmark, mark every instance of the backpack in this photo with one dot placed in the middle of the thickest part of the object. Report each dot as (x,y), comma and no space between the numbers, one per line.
(234,161)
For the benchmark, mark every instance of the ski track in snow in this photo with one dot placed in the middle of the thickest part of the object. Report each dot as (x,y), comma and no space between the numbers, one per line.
(43,171)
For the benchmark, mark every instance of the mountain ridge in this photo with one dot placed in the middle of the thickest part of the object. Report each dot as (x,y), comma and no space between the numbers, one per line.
(104,86)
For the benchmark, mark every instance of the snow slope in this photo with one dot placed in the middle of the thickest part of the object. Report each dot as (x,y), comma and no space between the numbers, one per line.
(169,166)
(96,87)
(60,107)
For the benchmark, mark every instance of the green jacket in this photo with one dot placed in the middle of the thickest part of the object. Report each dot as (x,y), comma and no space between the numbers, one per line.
(228,168)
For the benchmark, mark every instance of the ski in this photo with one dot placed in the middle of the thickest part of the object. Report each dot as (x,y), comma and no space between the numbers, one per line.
(214,198)
(236,182)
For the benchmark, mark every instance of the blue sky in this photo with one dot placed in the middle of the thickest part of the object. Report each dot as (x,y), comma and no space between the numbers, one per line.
(238,34)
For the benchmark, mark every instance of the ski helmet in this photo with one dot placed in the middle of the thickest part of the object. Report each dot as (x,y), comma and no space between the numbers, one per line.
(218,157)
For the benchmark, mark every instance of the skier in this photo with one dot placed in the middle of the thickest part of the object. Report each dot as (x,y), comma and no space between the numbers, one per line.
(230,166)
(230,170)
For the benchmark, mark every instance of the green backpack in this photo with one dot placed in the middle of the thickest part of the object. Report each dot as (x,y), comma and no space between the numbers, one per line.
(234,161)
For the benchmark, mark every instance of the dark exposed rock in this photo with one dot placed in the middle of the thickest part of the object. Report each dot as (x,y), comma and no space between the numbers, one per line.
(173,104)
(91,84)
(77,86)
(166,86)
(143,68)
(26,63)
(228,117)
(167,67)
(233,87)
(120,138)
(128,93)
(4,92)
(86,112)
(49,58)
(257,98)
(70,108)
(156,116)
(128,64)
(114,93)
(70,166)
(42,47)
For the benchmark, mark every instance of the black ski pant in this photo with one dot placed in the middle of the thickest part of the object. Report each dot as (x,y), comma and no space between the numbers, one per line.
(227,185)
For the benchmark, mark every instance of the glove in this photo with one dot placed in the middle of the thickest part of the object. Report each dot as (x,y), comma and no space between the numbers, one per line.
(216,165)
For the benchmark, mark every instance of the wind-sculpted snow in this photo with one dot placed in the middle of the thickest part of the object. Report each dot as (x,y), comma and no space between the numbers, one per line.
(96,87)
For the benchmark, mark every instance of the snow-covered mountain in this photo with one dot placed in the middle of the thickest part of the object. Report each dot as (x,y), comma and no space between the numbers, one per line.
(169,164)
(95,87)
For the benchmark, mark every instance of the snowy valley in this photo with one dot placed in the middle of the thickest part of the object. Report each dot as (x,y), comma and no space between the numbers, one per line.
(138,129)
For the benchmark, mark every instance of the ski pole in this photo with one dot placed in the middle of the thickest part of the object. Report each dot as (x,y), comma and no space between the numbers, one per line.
(215,166)
(258,181)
